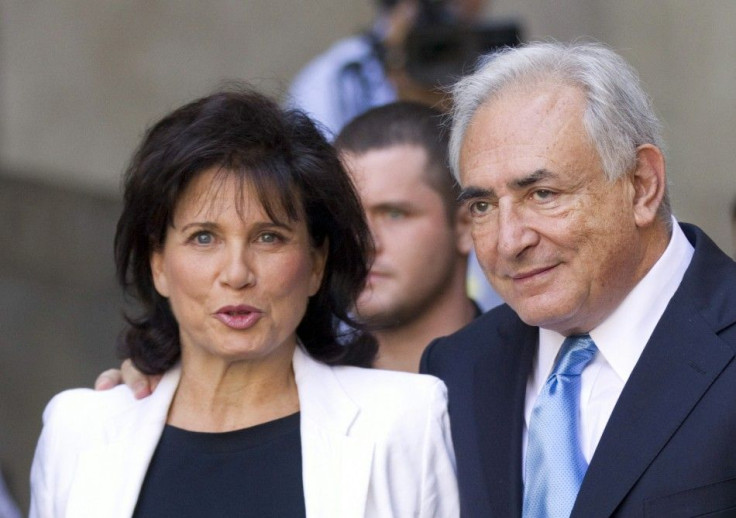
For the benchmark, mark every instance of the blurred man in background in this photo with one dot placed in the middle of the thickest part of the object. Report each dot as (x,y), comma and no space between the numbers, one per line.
(397,157)
(414,51)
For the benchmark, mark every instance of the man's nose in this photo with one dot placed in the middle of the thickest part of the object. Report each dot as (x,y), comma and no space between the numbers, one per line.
(514,232)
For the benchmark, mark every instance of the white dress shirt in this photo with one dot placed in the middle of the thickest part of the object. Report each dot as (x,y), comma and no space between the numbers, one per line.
(620,340)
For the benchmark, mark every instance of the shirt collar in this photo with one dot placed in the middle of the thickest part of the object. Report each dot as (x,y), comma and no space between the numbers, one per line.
(621,338)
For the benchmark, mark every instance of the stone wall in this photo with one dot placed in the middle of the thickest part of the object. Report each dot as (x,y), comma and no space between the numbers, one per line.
(60,310)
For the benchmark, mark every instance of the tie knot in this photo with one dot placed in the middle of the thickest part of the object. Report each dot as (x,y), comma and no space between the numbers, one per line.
(576,352)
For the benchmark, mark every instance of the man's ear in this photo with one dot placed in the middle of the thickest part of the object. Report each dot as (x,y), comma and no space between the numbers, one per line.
(463,238)
(649,183)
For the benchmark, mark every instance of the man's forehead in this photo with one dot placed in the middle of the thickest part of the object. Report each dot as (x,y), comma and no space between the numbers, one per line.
(528,108)
(523,130)
(394,164)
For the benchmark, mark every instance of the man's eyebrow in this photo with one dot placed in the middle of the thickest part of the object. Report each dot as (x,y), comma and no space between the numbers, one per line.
(471,193)
(531,179)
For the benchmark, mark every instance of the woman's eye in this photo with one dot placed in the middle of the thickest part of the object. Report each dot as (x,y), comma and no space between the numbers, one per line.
(203,238)
(269,237)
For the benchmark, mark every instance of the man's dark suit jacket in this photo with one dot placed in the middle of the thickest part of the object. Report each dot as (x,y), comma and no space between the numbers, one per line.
(669,448)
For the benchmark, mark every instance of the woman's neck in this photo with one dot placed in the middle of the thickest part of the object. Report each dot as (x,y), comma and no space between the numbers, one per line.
(219,396)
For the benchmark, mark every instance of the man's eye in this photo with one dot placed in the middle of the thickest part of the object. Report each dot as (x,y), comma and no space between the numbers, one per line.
(395,214)
(478,208)
(543,195)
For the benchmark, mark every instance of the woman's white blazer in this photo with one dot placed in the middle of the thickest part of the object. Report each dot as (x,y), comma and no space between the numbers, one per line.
(374,444)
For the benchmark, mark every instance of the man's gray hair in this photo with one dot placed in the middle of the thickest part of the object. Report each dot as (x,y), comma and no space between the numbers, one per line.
(618,118)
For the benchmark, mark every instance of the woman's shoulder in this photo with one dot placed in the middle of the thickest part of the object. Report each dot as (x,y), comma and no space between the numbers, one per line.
(382,378)
(400,390)
(394,406)
(85,405)
(83,396)
(81,405)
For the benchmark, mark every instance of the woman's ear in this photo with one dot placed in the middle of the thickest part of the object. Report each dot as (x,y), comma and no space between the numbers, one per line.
(649,183)
(319,260)
(158,273)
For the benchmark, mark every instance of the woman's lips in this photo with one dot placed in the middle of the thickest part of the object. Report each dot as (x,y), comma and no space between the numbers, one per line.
(238,317)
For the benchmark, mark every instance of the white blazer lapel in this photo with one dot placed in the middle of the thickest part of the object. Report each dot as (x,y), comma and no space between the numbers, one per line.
(336,467)
(110,473)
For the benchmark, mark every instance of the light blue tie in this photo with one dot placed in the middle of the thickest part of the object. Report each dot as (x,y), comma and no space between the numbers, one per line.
(555,465)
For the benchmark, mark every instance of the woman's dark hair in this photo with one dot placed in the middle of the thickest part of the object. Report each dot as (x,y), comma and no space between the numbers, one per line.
(284,157)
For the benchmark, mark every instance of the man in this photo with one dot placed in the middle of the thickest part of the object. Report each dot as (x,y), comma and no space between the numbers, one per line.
(397,157)
(368,70)
(558,153)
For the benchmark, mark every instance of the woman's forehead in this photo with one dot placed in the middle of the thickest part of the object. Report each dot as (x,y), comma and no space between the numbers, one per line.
(216,190)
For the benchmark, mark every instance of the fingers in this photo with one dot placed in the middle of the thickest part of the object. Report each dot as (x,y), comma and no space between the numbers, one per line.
(108,379)
(141,385)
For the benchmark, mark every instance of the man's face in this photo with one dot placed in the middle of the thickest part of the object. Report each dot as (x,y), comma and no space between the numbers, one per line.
(416,245)
(556,239)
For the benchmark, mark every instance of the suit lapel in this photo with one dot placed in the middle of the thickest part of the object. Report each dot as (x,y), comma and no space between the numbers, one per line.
(336,466)
(499,407)
(110,473)
(681,360)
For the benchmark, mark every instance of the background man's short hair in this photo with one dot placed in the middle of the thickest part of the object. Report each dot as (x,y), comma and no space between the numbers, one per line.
(405,123)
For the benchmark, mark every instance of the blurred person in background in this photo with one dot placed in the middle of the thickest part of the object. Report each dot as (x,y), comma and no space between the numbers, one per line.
(369,69)
(243,240)
(414,51)
(416,291)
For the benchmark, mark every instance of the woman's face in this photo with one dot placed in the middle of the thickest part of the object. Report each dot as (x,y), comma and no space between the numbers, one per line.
(237,282)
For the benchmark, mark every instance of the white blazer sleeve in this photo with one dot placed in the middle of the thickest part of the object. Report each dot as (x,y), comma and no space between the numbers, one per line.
(438,472)
(46,461)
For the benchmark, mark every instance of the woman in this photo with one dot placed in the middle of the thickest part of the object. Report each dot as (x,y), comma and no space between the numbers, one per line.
(244,242)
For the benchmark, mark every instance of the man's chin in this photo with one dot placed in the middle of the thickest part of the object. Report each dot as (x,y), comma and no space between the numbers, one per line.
(377,319)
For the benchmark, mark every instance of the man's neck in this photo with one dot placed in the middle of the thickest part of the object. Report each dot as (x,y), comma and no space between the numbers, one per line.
(401,347)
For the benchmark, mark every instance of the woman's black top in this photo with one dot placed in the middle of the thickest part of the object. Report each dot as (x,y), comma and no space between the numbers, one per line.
(254,472)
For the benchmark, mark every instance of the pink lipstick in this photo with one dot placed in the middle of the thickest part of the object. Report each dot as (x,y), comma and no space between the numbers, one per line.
(238,317)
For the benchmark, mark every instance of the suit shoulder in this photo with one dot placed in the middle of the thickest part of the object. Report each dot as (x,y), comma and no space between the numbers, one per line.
(474,336)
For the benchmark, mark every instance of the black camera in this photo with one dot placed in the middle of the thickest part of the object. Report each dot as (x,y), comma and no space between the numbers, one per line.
(439,48)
